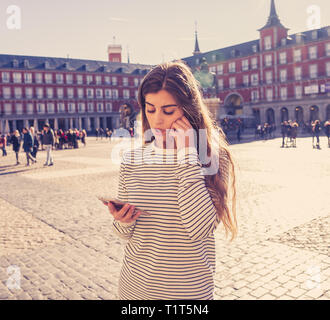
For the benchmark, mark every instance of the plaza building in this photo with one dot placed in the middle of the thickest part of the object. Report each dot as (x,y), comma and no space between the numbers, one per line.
(66,93)
(274,78)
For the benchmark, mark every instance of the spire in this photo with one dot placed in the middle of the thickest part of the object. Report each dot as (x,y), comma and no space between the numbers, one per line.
(273,19)
(196,51)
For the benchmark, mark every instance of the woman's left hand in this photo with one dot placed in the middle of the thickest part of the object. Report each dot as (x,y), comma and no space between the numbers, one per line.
(183,133)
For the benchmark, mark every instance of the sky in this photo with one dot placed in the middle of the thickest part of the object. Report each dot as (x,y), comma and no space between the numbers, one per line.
(151,31)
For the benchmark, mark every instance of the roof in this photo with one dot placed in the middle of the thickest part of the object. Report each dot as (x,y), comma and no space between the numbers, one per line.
(246,48)
(76,65)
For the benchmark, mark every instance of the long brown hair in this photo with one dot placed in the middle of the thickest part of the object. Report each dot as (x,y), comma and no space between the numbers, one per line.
(177,79)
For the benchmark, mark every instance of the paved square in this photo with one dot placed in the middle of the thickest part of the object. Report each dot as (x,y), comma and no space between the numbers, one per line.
(56,240)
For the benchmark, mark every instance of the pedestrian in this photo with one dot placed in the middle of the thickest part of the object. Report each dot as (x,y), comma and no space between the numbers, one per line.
(35,143)
(327,131)
(171,252)
(83,137)
(48,142)
(16,142)
(28,146)
(97,132)
(3,144)
(294,133)
(316,130)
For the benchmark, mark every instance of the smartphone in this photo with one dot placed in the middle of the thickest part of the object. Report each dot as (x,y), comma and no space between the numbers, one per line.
(119,204)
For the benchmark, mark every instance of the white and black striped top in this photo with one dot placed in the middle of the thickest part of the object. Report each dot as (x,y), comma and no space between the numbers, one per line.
(171,253)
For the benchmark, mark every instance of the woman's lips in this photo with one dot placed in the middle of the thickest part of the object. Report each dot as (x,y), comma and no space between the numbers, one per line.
(159,131)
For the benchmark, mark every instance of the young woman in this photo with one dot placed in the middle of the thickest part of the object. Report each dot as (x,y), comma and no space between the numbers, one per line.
(16,141)
(170,253)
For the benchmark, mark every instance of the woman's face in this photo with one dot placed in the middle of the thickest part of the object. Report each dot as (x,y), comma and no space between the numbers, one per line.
(161,111)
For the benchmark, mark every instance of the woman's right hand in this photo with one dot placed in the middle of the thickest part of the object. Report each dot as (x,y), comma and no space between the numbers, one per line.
(126,214)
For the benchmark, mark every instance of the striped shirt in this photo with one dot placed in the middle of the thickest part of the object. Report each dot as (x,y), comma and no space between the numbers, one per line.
(170,254)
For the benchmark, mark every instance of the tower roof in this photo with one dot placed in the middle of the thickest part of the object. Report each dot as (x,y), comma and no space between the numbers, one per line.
(196,51)
(273,19)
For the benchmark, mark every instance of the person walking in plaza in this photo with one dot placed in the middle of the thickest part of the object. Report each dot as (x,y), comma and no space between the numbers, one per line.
(3,144)
(170,253)
(316,129)
(48,142)
(28,146)
(35,143)
(294,133)
(327,131)
(16,142)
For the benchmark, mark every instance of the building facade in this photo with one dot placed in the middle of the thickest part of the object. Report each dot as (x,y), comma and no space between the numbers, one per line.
(67,93)
(274,78)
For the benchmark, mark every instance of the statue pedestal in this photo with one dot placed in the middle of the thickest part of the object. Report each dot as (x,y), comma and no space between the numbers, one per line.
(213,105)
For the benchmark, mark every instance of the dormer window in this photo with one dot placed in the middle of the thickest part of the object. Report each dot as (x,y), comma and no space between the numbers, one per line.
(268,43)
(314,35)
(298,38)
(26,63)
(15,63)
(46,64)
(283,42)
(328,31)
(254,48)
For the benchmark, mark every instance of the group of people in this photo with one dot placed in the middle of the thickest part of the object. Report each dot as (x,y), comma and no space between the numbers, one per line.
(265,131)
(47,139)
(100,133)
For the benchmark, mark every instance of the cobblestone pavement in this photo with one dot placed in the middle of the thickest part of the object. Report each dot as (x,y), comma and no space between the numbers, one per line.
(56,240)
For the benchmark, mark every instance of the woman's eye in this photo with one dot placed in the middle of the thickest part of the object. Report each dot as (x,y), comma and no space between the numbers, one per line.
(167,113)
(150,111)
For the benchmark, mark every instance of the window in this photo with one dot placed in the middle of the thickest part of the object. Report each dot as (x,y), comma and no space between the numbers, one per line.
(108,107)
(246,80)
(80,92)
(126,94)
(41,108)
(269,77)
(268,43)
(214,57)
(115,93)
(268,60)
(255,95)
(89,79)
(40,93)
(114,81)
(283,58)
(28,77)
(18,93)
(60,93)
(327,49)
(98,80)
(254,48)
(312,52)
(50,107)
(283,75)
(48,78)
(79,79)
(328,69)
(232,67)
(269,94)
(28,93)
(100,107)
(298,73)
(29,108)
(136,82)
(220,69)
(6,92)
(298,92)
(81,107)
(220,84)
(245,65)
(71,107)
(69,92)
(107,80)
(297,55)
(5,77)
(197,62)
(69,78)
(19,108)
(50,93)
(299,38)
(90,93)
(17,77)
(125,82)
(99,94)
(284,93)
(61,107)
(90,107)
(254,79)
(59,78)
(314,35)
(107,93)
(254,63)
(232,83)
(213,69)
(38,77)
(8,108)
(313,71)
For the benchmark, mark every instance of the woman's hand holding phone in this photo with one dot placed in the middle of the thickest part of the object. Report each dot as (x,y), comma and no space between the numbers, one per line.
(126,214)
